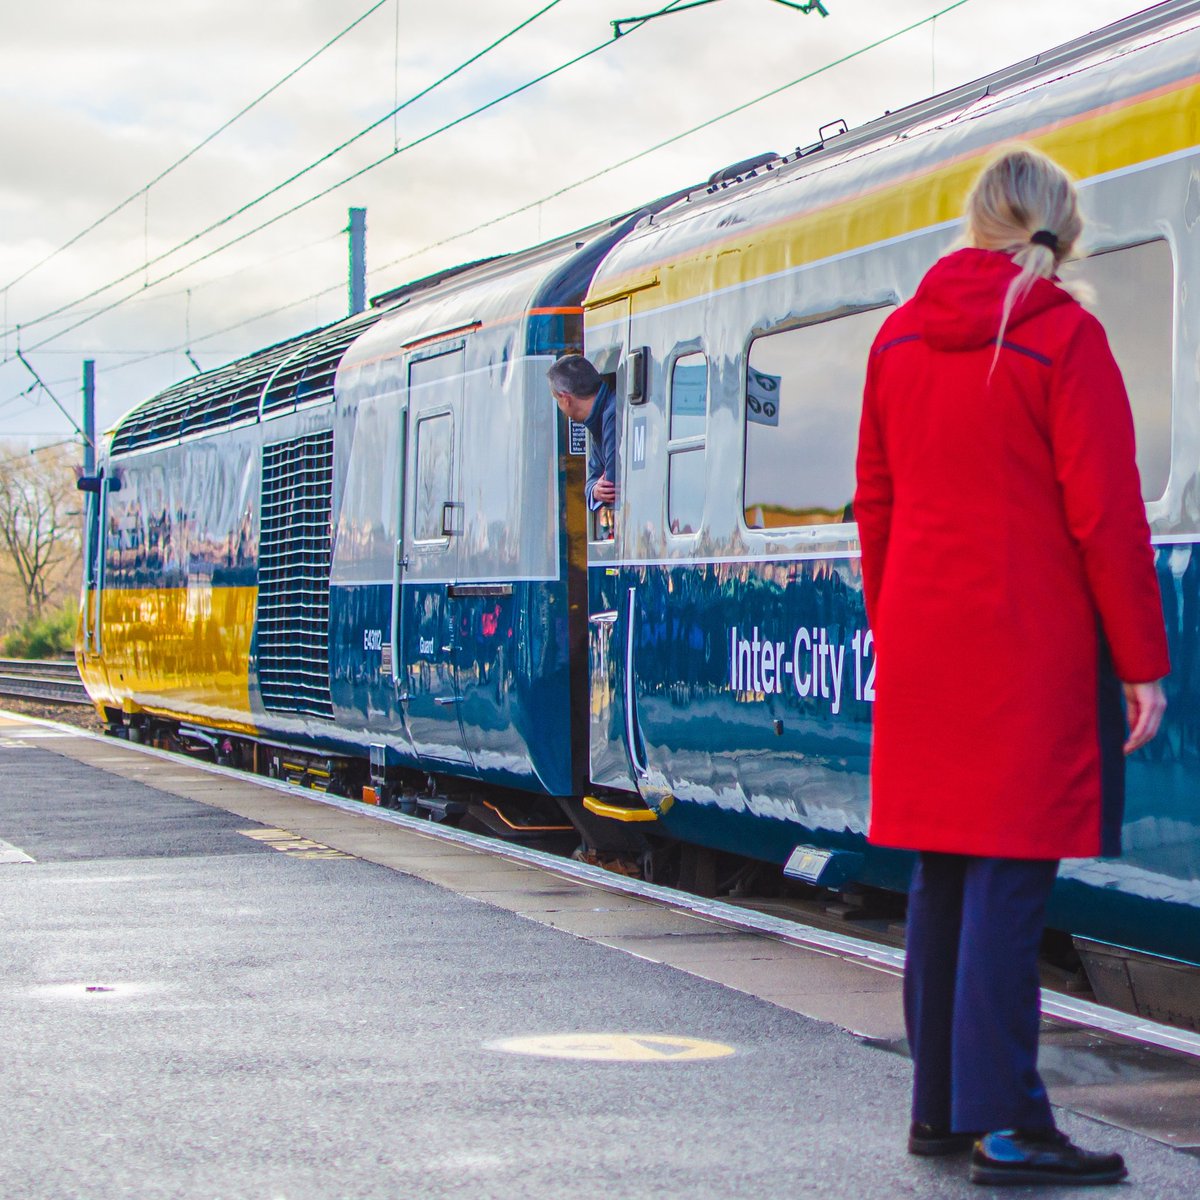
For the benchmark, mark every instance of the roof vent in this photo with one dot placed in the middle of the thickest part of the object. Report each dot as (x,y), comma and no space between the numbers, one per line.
(739,169)
(306,377)
(292,373)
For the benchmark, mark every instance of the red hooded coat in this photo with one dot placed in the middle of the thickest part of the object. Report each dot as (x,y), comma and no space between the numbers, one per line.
(1005,556)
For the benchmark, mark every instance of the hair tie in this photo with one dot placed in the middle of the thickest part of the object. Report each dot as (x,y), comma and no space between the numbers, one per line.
(1044,237)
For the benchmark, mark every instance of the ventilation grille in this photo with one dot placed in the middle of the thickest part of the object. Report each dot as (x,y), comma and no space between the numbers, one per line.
(281,378)
(294,554)
(217,399)
(307,376)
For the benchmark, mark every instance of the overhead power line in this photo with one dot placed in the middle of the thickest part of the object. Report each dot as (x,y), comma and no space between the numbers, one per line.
(394,153)
(244,208)
(20,395)
(338,287)
(657,146)
(112,212)
(215,280)
(46,388)
(678,137)
(800,7)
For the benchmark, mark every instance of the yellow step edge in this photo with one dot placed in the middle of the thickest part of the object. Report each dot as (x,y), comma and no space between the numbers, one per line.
(616,813)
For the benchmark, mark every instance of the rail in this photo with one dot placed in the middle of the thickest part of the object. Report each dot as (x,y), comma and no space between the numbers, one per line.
(55,681)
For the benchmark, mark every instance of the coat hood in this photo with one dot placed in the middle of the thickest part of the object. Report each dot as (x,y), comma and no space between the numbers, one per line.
(960,301)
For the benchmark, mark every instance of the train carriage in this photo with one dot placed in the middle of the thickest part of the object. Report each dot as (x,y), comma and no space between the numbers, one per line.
(355,547)
(727,634)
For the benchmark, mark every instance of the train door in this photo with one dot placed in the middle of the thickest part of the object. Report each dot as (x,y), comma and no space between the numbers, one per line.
(429,559)
(393,657)
(616,758)
(96,511)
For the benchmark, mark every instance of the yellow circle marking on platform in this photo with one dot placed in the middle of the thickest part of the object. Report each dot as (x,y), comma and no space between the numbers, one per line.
(615,1047)
(292,844)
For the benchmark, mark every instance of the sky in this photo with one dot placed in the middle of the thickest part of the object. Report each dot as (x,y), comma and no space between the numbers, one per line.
(98,100)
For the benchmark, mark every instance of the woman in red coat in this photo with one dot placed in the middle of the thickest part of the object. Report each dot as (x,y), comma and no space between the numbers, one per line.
(1010,585)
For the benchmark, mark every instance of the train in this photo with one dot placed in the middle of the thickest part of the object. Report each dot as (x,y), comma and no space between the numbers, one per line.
(361,559)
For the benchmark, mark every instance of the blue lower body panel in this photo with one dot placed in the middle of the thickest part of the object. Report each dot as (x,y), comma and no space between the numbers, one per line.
(746,690)
(478,685)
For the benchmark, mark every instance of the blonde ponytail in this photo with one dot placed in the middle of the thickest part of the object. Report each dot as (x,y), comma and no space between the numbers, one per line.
(1025,205)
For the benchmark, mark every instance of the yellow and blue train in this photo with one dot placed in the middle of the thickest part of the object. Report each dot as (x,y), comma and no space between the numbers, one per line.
(363,555)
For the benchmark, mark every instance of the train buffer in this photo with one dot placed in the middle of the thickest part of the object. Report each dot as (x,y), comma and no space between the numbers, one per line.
(219,985)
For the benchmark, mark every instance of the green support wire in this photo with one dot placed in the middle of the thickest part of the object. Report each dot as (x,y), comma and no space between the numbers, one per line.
(671,9)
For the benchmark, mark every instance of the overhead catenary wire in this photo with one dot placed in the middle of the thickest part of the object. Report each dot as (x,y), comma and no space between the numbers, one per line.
(660,145)
(324,240)
(678,137)
(607,169)
(686,133)
(149,355)
(293,178)
(691,131)
(20,395)
(801,6)
(304,203)
(46,388)
(224,277)
(145,188)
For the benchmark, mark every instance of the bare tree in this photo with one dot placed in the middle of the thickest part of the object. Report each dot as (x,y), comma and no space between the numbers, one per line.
(39,520)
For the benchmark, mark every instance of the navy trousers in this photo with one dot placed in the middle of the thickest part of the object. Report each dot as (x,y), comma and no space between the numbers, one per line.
(971,997)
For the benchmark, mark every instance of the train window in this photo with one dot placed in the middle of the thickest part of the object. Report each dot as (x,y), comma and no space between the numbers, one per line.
(1134,291)
(434,442)
(685,444)
(689,396)
(803,401)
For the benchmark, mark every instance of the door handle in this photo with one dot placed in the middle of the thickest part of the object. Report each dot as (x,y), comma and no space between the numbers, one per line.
(631,737)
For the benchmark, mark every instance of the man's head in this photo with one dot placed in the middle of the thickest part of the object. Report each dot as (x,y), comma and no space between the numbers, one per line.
(574,384)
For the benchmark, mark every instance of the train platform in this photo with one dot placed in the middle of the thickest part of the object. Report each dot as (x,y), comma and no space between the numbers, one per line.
(217,986)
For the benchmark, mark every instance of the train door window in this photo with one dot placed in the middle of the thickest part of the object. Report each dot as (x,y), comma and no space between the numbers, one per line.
(435,389)
(435,439)
(803,402)
(94,524)
(686,438)
(1134,295)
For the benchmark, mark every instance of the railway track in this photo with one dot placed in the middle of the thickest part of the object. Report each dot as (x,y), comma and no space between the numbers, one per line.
(55,681)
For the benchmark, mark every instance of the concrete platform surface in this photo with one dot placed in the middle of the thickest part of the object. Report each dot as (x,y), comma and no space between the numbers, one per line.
(198,1002)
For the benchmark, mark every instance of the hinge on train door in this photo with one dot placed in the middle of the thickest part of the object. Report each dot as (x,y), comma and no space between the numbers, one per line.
(401,557)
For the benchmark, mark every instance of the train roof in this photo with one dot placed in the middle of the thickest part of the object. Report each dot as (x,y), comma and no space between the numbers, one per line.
(301,370)
(550,277)
(463,297)
(295,371)
(752,186)
(1141,28)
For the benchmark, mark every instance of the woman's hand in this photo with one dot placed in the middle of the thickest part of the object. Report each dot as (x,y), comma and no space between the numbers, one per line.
(1145,704)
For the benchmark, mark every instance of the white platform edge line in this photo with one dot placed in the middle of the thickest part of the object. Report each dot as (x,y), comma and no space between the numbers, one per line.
(884,958)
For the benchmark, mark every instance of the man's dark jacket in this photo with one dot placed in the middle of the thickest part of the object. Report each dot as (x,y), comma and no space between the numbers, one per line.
(602,443)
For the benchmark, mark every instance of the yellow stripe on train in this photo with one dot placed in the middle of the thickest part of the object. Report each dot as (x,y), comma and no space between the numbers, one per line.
(1148,127)
(178,652)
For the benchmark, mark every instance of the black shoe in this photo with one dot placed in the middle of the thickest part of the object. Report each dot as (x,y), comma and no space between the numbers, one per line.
(931,1140)
(1015,1156)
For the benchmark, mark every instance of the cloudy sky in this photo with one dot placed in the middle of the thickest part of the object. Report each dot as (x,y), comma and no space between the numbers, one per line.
(98,100)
